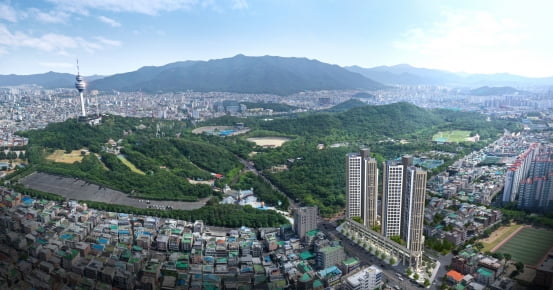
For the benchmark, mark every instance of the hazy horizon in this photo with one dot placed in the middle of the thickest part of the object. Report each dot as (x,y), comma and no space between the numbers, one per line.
(117,36)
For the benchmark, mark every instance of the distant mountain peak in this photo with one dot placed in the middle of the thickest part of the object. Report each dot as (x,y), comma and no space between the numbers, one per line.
(405,74)
(240,74)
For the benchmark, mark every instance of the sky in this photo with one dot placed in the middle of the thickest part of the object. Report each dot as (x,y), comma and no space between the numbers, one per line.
(116,36)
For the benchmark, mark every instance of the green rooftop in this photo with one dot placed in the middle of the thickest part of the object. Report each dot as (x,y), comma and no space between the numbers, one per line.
(304,267)
(312,233)
(72,254)
(258,269)
(306,255)
(182,265)
(279,284)
(350,261)
(485,272)
(134,260)
(327,250)
(305,277)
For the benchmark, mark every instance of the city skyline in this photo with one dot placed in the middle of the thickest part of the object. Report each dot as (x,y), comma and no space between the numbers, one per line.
(120,36)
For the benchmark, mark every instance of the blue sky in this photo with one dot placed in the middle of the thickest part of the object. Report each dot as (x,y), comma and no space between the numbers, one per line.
(113,36)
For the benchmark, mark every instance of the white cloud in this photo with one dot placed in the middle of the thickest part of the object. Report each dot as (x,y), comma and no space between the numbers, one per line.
(54,16)
(471,41)
(109,21)
(239,4)
(148,7)
(56,65)
(51,42)
(107,42)
(8,13)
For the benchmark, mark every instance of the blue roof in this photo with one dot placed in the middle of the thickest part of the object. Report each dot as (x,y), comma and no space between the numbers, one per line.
(330,270)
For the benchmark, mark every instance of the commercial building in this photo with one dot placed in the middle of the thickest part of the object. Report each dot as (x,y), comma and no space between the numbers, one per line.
(367,278)
(329,256)
(305,220)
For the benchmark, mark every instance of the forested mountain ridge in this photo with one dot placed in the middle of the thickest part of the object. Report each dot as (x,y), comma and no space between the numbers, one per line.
(239,74)
(49,80)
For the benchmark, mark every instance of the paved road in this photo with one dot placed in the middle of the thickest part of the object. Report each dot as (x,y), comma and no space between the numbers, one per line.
(444,262)
(390,272)
(248,166)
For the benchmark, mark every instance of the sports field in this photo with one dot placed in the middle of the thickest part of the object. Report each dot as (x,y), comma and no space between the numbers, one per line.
(454,136)
(269,141)
(130,165)
(529,245)
(498,236)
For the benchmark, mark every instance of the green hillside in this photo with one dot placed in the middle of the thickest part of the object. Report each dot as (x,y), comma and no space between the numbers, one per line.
(317,177)
(312,176)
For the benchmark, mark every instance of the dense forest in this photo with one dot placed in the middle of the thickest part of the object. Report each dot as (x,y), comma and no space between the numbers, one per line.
(212,214)
(276,107)
(313,175)
(317,177)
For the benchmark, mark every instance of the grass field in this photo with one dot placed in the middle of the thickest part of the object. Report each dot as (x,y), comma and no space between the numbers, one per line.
(130,165)
(529,245)
(498,236)
(451,136)
(62,157)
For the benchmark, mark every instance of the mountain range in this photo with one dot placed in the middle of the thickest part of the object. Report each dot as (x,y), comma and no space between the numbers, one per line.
(49,80)
(240,74)
(404,74)
(275,75)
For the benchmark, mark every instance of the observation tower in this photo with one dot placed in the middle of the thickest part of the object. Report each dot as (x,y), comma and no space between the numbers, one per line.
(80,86)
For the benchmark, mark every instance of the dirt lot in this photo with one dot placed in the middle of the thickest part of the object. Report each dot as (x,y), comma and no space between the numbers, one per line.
(73,188)
(269,141)
(62,157)
(498,236)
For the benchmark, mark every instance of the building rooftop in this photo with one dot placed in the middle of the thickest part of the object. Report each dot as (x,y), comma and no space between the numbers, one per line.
(455,275)
(484,272)
(306,255)
(350,261)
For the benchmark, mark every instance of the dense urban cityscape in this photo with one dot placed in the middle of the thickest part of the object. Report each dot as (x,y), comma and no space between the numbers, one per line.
(154,154)
(70,245)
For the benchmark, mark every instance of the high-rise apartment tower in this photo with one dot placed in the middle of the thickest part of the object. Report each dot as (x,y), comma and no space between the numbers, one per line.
(362,187)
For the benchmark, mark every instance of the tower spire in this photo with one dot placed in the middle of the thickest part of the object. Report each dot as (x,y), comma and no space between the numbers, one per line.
(80,86)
